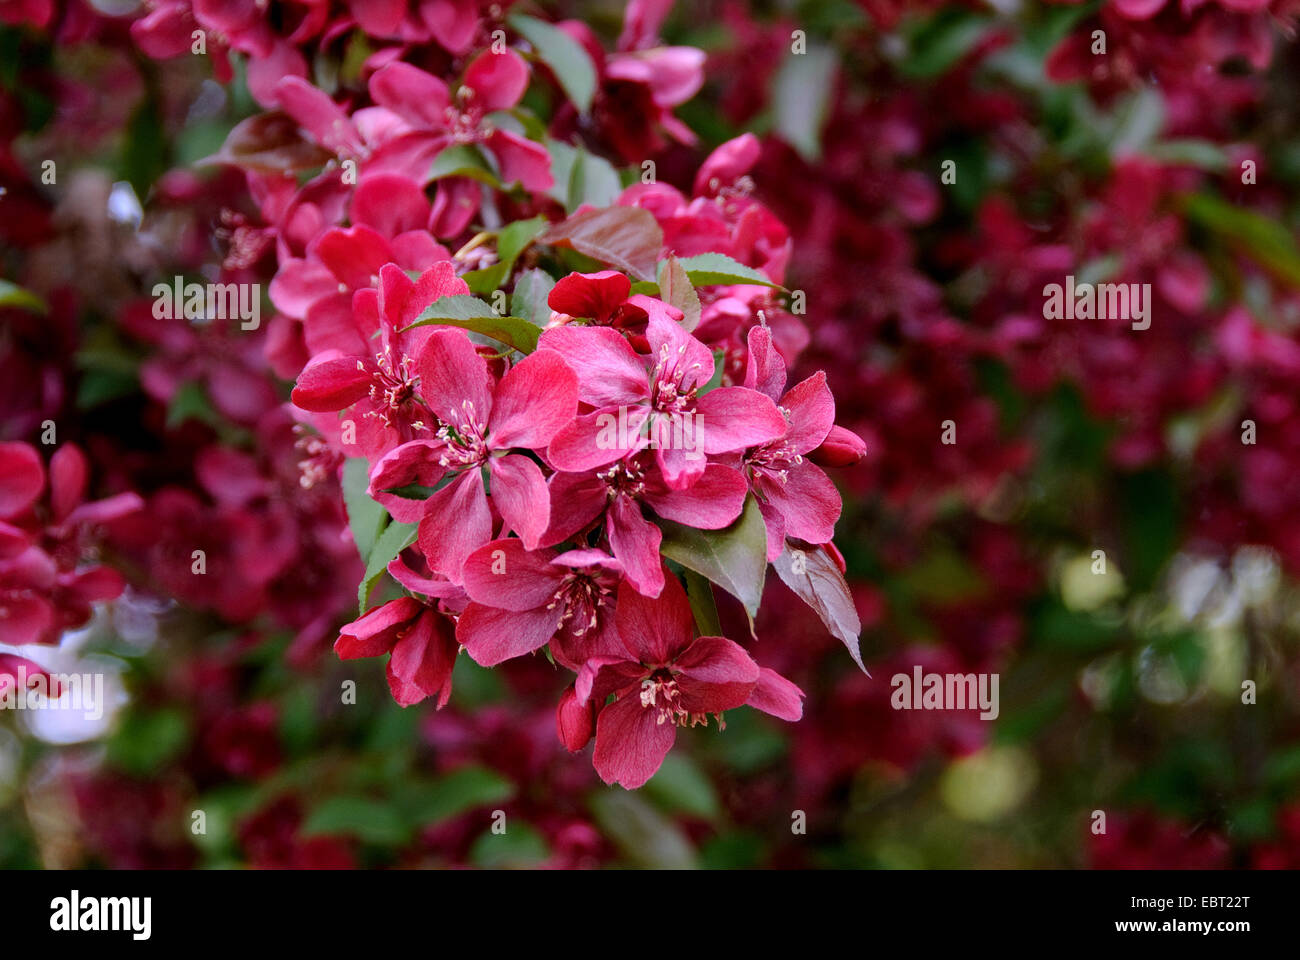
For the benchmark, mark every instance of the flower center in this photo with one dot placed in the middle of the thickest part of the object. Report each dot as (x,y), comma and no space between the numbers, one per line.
(581,597)
(624,479)
(673,384)
(659,691)
(465,441)
(392,391)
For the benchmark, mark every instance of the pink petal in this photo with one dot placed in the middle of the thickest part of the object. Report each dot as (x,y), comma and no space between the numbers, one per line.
(452,374)
(655,630)
(537,398)
(727,163)
(592,295)
(634,540)
(630,742)
(353,255)
(503,574)
(22,476)
(300,283)
(595,439)
(521,161)
(414,462)
(713,502)
(520,493)
(456,522)
(576,500)
(574,722)
(391,203)
(808,502)
(716,674)
(776,695)
(497,79)
(423,660)
(765,371)
(812,413)
(610,373)
(376,632)
(325,120)
(736,418)
(331,383)
(68,480)
(492,636)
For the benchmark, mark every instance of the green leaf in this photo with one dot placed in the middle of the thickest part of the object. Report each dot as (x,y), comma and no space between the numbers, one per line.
(707,269)
(465,160)
(521,847)
(567,58)
(935,45)
(146,740)
(372,821)
(487,281)
(430,802)
(801,98)
(1150,517)
(681,787)
(471,313)
(190,402)
(101,386)
(515,238)
(1266,241)
(819,583)
(395,538)
(700,593)
(646,837)
(675,289)
(1203,154)
(365,517)
(530,295)
(735,558)
(592,181)
(12,295)
(627,238)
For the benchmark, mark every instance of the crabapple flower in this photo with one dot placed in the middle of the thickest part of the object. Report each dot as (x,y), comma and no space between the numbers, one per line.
(480,422)
(667,679)
(796,498)
(378,392)
(617,493)
(421,644)
(521,600)
(654,394)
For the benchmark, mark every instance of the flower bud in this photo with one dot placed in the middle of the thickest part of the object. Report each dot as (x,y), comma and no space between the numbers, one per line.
(841,448)
(574,722)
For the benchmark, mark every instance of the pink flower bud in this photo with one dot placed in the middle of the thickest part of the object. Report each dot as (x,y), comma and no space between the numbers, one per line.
(574,722)
(841,448)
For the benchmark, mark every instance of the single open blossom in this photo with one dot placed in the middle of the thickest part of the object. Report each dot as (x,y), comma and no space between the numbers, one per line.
(655,396)
(522,600)
(47,583)
(419,117)
(668,678)
(480,421)
(378,392)
(797,499)
(420,640)
(616,494)
(389,215)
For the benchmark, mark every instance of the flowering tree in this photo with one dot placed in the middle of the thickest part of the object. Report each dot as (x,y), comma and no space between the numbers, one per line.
(514,344)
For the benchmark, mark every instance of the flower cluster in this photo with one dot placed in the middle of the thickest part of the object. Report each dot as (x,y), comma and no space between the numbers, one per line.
(536,472)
